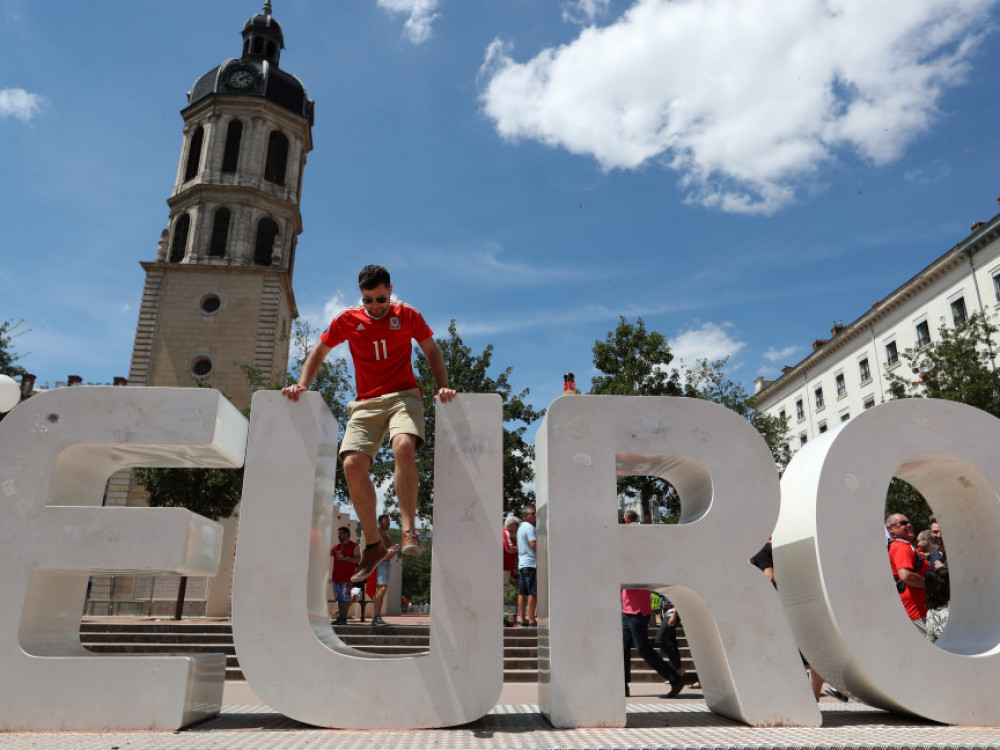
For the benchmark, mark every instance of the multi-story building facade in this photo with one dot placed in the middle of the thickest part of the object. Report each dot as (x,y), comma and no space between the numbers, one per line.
(847,373)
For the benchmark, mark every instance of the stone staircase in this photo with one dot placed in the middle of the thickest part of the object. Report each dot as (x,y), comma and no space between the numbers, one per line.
(520,645)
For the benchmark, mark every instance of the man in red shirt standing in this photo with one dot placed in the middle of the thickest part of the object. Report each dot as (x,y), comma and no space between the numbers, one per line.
(346,556)
(908,568)
(379,332)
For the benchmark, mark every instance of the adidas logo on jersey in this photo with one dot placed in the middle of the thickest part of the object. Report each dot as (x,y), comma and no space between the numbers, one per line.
(361,327)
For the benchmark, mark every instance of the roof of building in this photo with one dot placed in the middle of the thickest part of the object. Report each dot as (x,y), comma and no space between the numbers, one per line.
(256,72)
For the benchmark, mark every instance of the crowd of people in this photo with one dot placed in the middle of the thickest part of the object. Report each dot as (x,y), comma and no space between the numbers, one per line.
(919,564)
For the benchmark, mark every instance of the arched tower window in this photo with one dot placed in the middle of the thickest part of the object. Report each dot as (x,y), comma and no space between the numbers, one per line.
(194,154)
(267,230)
(179,245)
(220,234)
(231,156)
(277,157)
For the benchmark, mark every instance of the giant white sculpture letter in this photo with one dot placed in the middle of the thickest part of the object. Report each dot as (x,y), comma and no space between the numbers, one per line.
(57,451)
(728,486)
(830,556)
(281,626)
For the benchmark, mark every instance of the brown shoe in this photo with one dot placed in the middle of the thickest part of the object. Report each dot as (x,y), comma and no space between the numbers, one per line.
(373,555)
(411,543)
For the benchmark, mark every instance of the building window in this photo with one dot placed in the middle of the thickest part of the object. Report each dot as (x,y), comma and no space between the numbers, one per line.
(782,416)
(822,427)
(864,370)
(819,397)
(845,416)
(179,246)
(277,158)
(267,230)
(841,384)
(996,284)
(891,355)
(923,333)
(201,366)
(869,402)
(800,412)
(194,154)
(220,234)
(958,312)
(231,156)
(210,304)
(803,439)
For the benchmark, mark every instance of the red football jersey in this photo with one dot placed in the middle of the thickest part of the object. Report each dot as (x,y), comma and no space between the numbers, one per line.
(381,348)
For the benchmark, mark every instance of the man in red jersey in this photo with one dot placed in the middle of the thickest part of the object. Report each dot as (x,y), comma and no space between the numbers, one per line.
(908,568)
(378,332)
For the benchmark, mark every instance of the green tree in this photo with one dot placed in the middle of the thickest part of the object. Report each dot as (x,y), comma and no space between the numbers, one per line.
(470,373)
(957,366)
(417,575)
(708,380)
(10,330)
(636,362)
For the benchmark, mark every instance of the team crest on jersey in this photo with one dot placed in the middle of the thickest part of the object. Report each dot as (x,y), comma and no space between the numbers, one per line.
(394,324)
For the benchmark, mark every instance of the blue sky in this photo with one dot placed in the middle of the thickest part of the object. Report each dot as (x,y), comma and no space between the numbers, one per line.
(740,173)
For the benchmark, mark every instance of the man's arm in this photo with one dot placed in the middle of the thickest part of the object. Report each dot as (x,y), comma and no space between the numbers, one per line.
(911,579)
(309,369)
(438,369)
(356,558)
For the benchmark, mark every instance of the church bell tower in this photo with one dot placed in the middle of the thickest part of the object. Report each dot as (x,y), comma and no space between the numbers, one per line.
(219,293)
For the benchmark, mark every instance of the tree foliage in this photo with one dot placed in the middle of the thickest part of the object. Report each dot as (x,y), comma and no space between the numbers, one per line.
(708,380)
(10,330)
(636,362)
(958,366)
(213,493)
(470,373)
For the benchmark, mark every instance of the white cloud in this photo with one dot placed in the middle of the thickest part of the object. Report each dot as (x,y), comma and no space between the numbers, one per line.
(584,11)
(710,341)
(744,99)
(421,15)
(20,104)
(780,355)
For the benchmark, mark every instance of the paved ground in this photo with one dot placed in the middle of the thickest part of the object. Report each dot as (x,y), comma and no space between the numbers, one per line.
(652,722)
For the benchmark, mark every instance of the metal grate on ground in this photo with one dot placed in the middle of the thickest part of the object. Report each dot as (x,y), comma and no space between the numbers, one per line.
(687,726)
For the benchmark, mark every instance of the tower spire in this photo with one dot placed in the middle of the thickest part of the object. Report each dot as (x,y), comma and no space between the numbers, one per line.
(267,8)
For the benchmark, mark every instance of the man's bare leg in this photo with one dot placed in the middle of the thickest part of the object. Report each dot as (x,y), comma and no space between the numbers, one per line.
(379,599)
(532,606)
(521,601)
(407,483)
(362,492)
(342,609)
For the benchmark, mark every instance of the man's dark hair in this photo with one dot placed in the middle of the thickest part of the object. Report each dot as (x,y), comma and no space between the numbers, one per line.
(384,515)
(371,276)
(937,588)
(345,530)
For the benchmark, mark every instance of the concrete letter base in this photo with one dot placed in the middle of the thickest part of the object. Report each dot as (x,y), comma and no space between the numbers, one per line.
(281,626)
(830,558)
(57,451)
(747,662)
